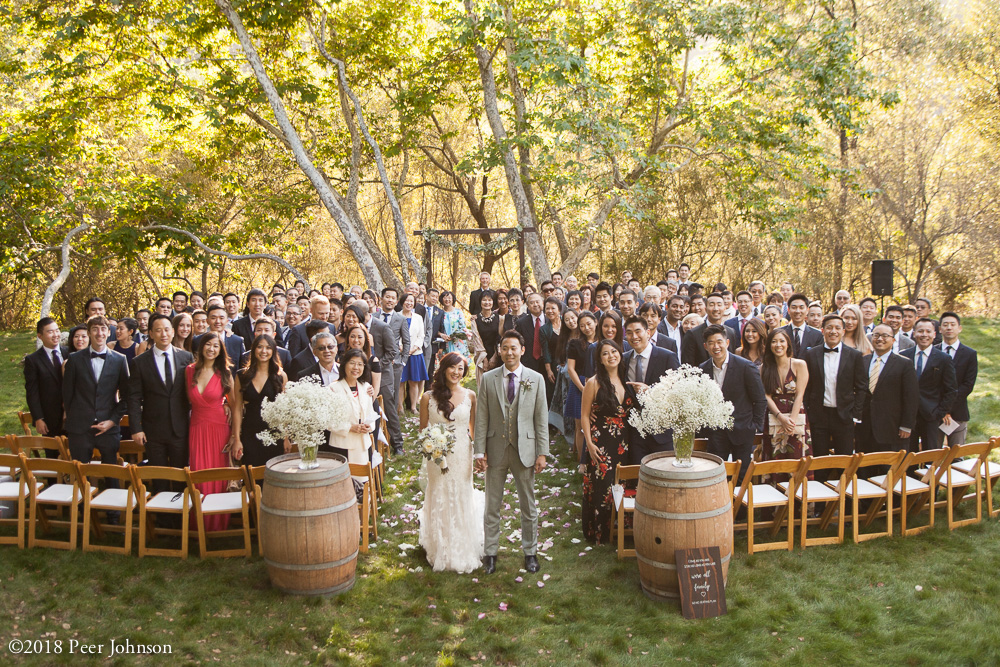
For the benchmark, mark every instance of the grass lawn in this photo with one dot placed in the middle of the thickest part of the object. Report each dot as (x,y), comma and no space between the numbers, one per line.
(854,604)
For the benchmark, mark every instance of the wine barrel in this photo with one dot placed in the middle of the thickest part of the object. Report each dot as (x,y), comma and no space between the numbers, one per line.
(679,508)
(309,525)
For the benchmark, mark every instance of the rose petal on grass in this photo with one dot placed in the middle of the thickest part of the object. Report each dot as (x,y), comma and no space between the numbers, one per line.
(482,615)
(503,606)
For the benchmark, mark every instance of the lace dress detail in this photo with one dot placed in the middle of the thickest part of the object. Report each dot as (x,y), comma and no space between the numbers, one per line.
(451,520)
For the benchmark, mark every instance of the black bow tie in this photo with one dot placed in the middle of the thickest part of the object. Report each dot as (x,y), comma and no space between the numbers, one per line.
(98,355)
(829,349)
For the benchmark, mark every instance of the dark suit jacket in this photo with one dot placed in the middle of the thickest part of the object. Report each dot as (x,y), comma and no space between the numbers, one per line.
(89,401)
(525,325)
(284,355)
(734,323)
(811,337)
(745,390)
(693,350)
(302,360)
(243,328)
(152,409)
(966,370)
(664,341)
(43,388)
(298,340)
(893,405)
(434,326)
(660,361)
(938,386)
(475,297)
(852,382)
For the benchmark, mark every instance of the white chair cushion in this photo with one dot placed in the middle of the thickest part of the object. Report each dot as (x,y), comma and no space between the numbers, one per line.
(162,502)
(230,501)
(765,495)
(10,490)
(865,488)
(968,466)
(112,499)
(62,494)
(629,502)
(958,478)
(818,491)
(4,471)
(912,485)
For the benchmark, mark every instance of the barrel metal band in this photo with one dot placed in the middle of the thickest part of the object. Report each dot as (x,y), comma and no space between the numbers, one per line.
(340,588)
(299,483)
(653,592)
(683,484)
(316,512)
(684,516)
(669,566)
(312,566)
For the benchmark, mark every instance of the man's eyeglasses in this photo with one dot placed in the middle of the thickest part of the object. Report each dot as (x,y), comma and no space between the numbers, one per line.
(882,335)
(326,348)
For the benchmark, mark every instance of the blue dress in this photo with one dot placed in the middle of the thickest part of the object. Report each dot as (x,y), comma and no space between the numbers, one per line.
(415,369)
(454,321)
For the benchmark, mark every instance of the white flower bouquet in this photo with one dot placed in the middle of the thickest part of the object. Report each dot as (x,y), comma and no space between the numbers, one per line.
(301,414)
(435,443)
(685,401)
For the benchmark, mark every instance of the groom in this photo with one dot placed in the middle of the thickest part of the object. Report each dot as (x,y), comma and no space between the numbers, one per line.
(512,434)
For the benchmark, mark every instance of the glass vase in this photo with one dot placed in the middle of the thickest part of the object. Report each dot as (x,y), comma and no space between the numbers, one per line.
(683,449)
(307,457)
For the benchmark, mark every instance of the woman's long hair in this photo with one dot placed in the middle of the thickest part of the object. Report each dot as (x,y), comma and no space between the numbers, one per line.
(773,383)
(605,390)
(565,335)
(366,377)
(249,370)
(439,385)
(221,365)
(761,329)
(186,343)
(858,340)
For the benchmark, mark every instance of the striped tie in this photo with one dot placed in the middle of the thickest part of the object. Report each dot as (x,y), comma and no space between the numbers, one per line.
(873,375)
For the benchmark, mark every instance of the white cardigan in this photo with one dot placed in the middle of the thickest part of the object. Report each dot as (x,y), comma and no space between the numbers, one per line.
(362,411)
(416,334)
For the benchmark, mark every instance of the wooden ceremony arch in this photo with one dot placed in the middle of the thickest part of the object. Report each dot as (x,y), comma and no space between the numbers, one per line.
(429,244)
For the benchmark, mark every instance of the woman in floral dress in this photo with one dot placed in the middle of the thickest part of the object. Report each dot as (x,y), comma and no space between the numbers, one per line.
(453,328)
(786,435)
(604,409)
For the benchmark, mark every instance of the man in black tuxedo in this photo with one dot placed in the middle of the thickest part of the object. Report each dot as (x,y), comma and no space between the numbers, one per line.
(966,363)
(484,286)
(530,326)
(693,350)
(95,384)
(741,385)
(264,326)
(244,326)
(433,318)
(158,407)
(650,312)
(803,336)
(835,395)
(890,408)
(645,365)
(938,387)
(43,378)
(217,320)
(319,307)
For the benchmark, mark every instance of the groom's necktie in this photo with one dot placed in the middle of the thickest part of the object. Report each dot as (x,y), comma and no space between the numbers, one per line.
(510,387)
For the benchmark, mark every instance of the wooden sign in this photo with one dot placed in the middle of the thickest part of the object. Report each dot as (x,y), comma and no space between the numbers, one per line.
(702,588)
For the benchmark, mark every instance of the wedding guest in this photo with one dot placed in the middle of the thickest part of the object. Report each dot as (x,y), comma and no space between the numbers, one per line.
(574,300)
(752,342)
(772,318)
(484,288)
(854,333)
(588,302)
(890,408)
(938,387)
(183,326)
(604,409)
(840,300)
(79,339)
(142,319)
(814,316)
(836,391)
(650,312)
(698,305)
(261,378)
(414,373)
(869,310)
(95,384)
(529,326)
(199,324)
(197,301)
(552,312)
(401,345)
(211,440)
(325,369)
(580,369)
(306,358)
(231,304)
(741,385)
(432,323)
(645,365)
(802,334)
(966,369)
(180,301)
(744,312)
(693,350)
(351,439)
(372,299)
(785,379)
(244,326)
(909,319)
(158,404)
(265,326)
(319,309)
(757,291)
(670,325)
(627,304)
(217,320)
(358,339)
(293,317)
(43,381)
(515,306)
(691,321)
(388,347)
(602,299)
(126,344)
(893,316)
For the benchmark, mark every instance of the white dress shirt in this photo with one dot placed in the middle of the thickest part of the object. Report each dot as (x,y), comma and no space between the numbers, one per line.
(674,333)
(645,355)
(49,351)
(160,355)
(328,377)
(517,380)
(831,364)
(945,346)
(719,374)
(97,364)
(925,354)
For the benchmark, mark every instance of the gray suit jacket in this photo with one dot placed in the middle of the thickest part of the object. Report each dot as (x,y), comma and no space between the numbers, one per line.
(532,416)
(385,346)
(400,332)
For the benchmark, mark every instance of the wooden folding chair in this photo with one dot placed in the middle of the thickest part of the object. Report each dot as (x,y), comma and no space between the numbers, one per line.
(34,446)
(177,503)
(956,481)
(131,452)
(920,485)
(222,503)
(254,485)
(66,491)
(701,444)
(990,472)
(26,423)
(813,491)
(732,474)
(761,495)
(879,492)
(16,492)
(120,500)
(378,465)
(368,507)
(624,509)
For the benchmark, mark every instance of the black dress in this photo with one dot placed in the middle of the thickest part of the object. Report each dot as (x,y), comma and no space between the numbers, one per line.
(489,333)
(607,431)
(256,453)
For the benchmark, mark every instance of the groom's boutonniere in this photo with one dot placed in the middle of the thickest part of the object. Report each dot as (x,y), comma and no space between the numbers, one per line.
(525,384)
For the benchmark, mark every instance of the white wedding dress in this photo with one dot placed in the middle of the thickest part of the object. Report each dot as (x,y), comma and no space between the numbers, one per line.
(451,520)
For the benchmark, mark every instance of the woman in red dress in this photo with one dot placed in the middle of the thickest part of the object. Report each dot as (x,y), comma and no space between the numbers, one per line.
(209,383)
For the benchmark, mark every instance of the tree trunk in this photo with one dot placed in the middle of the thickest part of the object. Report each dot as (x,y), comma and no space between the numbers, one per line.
(840,218)
(51,290)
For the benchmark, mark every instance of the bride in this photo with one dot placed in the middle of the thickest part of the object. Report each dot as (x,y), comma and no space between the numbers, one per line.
(451,520)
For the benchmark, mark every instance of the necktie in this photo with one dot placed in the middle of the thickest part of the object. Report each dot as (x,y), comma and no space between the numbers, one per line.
(637,375)
(536,346)
(829,349)
(743,324)
(920,363)
(56,366)
(950,351)
(385,317)
(873,375)
(167,375)
(98,355)
(510,387)
(797,341)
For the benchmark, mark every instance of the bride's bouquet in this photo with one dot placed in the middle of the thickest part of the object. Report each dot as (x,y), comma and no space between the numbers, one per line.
(301,414)
(435,443)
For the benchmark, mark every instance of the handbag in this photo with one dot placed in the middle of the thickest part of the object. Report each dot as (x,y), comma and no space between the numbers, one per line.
(774,426)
